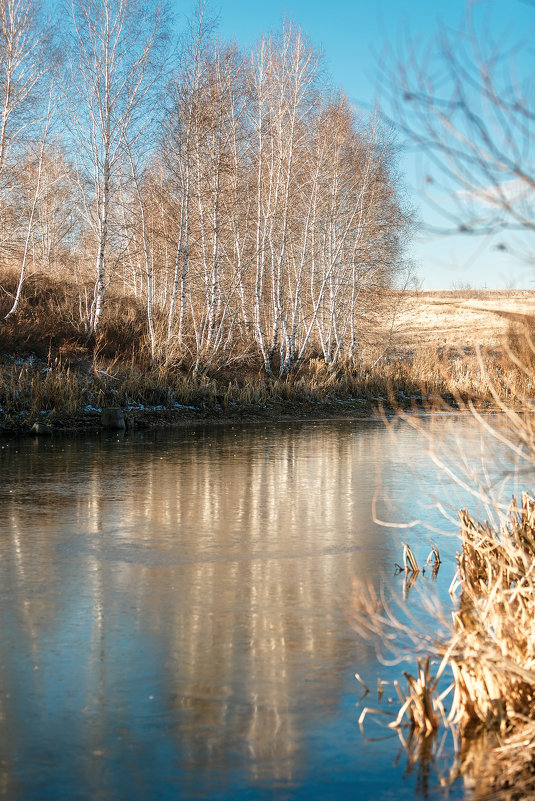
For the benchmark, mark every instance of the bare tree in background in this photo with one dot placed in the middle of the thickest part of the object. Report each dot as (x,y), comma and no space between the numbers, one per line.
(114,60)
(27,60)
(467,102)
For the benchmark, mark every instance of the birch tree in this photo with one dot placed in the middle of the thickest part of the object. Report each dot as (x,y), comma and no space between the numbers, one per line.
(27,61)
(286,214)
(115,48)
(202,140)
(37,188)
(27,56)
(284,72)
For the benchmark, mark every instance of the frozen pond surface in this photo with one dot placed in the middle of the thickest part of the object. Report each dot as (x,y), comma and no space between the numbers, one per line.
(174,609)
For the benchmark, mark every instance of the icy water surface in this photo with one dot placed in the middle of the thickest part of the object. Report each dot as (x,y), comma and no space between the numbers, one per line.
(174,610)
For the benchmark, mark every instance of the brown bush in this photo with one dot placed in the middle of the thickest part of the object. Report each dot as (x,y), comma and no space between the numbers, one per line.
(47,317)
(52,315)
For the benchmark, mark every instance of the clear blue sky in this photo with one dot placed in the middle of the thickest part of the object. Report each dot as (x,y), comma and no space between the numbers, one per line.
(352,35)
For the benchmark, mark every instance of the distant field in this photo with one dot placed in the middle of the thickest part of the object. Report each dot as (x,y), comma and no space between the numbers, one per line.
(461,318)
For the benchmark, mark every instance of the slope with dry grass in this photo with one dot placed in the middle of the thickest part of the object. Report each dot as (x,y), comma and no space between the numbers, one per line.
(49,366)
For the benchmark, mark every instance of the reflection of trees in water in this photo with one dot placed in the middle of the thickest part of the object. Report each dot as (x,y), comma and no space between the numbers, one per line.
(208,563)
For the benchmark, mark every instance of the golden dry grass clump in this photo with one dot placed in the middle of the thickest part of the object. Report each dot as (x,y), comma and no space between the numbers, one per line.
(489,648)
(492,657)
(493,652)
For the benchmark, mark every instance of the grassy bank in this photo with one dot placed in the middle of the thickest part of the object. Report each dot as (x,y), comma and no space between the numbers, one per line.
(51,372)
(70,393)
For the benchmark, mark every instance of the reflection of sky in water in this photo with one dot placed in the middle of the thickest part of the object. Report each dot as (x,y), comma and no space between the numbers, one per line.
(172,609)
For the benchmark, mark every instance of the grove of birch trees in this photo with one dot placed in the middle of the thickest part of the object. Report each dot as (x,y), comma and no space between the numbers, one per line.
(249,208)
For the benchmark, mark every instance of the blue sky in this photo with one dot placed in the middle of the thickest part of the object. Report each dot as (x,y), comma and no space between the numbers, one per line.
(354,36)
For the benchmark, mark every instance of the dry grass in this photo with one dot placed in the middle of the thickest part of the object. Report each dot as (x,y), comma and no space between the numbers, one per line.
(463,320)
(52,316)
(493,625)
(63,385)
(64,388)
(485,650)
(62,371)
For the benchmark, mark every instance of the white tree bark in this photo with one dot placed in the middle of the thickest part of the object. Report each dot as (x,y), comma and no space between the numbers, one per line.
(113,70)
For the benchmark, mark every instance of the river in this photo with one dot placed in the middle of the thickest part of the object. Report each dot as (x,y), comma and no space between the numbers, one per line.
(175,608)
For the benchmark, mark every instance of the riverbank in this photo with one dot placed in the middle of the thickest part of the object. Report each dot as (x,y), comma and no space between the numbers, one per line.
(70,395)
(70,398)
(147,419)
(52,375)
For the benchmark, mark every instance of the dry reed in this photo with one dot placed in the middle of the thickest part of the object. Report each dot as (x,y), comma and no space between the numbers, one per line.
(488,649)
